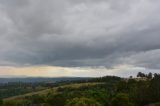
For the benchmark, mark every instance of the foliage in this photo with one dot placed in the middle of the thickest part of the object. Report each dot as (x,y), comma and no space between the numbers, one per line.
(121,100)
(16,103)
(157,104)
(1,102)
(154,87)
(82,102)
(56,100)
(140,74)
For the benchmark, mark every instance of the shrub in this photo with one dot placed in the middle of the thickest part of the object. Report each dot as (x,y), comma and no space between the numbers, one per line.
(121,100)
(157,104)
(56,100)
(82,102)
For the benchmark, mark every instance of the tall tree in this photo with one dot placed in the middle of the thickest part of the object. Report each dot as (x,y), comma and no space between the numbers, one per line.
(140,74)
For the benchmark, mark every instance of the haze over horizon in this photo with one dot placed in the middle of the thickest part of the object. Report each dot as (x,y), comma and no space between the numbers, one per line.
(85,38)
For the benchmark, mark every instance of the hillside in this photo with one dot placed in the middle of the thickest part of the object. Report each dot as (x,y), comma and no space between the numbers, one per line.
(54,89)
(103,91)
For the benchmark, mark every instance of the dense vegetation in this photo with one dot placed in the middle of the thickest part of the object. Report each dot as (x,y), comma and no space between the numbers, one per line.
(105,91)
(18,86)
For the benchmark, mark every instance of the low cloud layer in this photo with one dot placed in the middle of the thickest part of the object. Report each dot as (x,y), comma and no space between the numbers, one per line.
(77,33)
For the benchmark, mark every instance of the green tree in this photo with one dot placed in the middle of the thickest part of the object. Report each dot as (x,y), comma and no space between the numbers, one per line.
(82,102)
(149,76)
(121,100)
(140,94)
(155,88)
(140,74)
(1,102)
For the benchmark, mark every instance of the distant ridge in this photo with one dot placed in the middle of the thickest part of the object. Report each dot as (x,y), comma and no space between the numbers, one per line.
(13,76)
(39,79)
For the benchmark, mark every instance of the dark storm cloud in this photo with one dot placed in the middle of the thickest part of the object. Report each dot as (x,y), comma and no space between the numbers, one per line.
(80,32)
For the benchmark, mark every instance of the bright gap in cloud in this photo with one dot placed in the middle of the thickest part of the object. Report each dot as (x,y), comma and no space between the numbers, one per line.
(55,71)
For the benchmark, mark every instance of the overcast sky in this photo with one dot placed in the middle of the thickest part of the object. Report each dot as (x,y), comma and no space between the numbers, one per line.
(88,34)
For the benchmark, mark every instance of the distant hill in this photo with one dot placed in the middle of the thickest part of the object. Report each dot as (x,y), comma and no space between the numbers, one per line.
(41,79)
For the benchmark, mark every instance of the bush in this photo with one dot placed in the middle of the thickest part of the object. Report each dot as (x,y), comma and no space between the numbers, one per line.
(82,102)
(37,99)
(56,100)
(16,103)
(121,100)
(157,104)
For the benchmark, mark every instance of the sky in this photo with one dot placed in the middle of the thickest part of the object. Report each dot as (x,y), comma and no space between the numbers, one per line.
(79,37)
